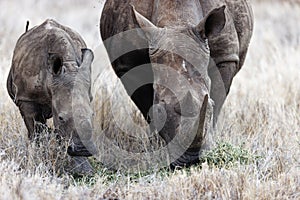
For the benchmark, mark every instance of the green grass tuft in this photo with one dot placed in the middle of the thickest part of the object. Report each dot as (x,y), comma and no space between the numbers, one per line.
(226,155)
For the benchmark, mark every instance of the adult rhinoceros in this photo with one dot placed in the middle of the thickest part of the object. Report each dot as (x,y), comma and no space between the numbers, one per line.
(182,57)
(51,76)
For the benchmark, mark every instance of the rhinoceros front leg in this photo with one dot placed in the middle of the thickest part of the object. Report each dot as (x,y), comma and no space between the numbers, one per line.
(32,114)
(221,79)
(227,71)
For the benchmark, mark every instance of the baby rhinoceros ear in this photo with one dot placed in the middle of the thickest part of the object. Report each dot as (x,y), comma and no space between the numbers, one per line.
(213,23)
(55,63)
(87,58)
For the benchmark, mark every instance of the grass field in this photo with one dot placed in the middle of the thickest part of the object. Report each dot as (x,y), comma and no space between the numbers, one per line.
(260,119)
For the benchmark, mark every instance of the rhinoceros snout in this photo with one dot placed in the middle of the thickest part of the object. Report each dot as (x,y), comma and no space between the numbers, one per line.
(188,106)
(85,129)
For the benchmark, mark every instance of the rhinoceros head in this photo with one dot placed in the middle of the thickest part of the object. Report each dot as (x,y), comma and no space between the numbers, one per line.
(69,83)
(182,109)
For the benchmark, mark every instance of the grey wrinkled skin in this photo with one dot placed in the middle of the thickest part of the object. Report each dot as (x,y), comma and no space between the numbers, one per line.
(50,76)
(192,106)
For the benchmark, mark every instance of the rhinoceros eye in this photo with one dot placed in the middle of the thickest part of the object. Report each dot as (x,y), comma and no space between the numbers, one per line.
(57,65)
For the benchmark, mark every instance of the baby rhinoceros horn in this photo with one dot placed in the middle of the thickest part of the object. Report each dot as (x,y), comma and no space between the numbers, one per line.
(188,106)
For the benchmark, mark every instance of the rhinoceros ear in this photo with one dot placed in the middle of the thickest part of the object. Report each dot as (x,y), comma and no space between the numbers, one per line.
(213,23)
(86,58)
(148,27)
(86,66)
(55,63)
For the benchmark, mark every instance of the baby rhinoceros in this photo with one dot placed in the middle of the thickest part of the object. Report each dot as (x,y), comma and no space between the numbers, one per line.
(51,76)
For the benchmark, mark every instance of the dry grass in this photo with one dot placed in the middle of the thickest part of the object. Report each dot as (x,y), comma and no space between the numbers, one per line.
(261,115)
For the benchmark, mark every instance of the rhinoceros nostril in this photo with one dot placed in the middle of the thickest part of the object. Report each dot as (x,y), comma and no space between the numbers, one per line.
(61,118)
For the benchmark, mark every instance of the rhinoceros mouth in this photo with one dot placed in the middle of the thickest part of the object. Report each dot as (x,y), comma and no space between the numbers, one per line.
(189,158)
(78,151)
(81,147)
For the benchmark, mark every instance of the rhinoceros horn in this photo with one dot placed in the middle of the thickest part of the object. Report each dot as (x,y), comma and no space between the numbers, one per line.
(201,125)
(203,112)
